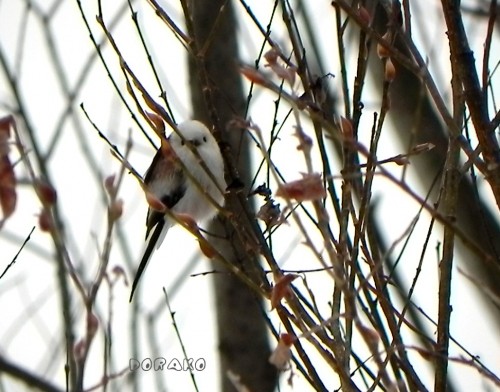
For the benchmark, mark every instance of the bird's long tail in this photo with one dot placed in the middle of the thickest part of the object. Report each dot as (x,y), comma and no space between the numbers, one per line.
(156,238)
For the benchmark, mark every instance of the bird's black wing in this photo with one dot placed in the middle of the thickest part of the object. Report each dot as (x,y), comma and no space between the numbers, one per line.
(175,182)
(170,200)
(156,219)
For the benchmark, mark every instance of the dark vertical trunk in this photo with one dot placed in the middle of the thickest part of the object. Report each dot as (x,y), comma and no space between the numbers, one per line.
(242,331)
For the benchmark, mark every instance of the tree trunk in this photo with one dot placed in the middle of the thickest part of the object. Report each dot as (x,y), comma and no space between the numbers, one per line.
(242,331)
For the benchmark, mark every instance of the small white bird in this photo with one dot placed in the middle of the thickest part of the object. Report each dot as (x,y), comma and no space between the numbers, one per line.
(183,193)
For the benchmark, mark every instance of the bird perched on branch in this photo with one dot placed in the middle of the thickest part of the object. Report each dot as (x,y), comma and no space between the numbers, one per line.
(179,178)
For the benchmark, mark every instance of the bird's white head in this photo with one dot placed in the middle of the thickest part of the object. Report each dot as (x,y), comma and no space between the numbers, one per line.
(197,136)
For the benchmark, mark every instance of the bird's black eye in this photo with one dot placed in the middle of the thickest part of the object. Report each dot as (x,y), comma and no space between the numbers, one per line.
(182,142)
(205,139)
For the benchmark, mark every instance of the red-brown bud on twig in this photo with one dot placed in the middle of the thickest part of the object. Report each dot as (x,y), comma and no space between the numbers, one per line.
(382,51)
(390,70)
(346,128)
(155,203)
(46,193)
(116,209)
(281,289)
(253,75)
(282,353)
(92,324)
(364,15)
(45,220)
(158,124)
(109,184)
(308,188)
